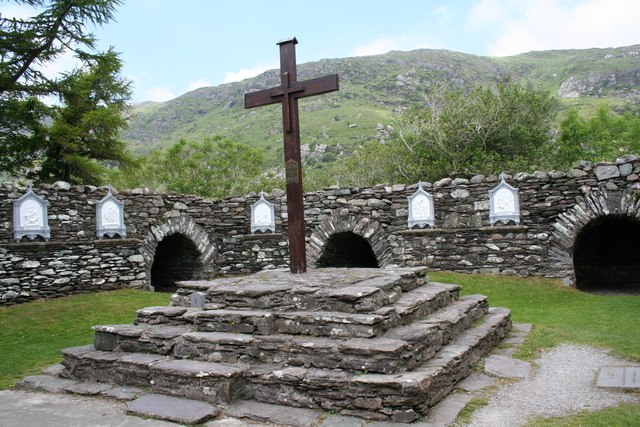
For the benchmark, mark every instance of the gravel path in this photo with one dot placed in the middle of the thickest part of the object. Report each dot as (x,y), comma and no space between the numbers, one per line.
(564,382)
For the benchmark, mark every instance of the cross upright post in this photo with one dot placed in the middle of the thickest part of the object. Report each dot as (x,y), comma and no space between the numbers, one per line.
(288,93)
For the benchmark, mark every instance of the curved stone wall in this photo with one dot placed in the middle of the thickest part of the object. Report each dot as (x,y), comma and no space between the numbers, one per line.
(554,207)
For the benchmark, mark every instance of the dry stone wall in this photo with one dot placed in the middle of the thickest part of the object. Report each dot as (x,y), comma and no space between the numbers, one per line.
(75,261)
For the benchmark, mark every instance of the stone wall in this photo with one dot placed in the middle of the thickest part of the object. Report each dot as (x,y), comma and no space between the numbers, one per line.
(74,260)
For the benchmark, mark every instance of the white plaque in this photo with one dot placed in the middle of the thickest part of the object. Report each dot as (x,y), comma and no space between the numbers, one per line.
(421,211)
(110,217)
(30,218)
(504,203)
(263,216)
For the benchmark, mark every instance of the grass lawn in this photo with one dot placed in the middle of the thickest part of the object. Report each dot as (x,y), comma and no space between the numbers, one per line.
(32,334)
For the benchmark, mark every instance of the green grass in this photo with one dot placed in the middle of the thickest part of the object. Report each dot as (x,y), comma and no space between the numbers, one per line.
(32,334)
(559,314)
(625,415)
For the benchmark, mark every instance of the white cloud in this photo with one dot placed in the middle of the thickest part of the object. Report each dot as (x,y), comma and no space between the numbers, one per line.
(527,25)
(159,94)
(386,44)
(245,73)
(197,84)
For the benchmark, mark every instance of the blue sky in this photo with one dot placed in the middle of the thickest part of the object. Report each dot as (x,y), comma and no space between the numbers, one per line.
(170,47)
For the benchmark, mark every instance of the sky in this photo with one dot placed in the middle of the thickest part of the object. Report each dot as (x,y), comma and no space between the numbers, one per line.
(170,47)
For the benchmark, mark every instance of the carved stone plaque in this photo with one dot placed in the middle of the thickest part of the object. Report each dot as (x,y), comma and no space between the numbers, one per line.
(263,216)
(30,217)
(504,203)
(110,217)
(421,211)
(291,171)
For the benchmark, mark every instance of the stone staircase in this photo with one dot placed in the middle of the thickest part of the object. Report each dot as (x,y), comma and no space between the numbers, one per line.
(381,344)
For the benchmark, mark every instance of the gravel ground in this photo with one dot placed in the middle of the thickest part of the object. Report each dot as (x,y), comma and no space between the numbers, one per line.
(563,383)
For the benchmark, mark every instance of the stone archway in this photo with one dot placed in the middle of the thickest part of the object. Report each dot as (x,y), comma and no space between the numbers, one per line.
(590,222)
(349,250)
(183,237)
(381,243)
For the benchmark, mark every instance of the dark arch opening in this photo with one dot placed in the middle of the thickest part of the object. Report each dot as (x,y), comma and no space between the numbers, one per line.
(606,255)
(176,258)
(347,250)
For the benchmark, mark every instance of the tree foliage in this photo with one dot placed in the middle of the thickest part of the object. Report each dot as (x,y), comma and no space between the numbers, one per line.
(214,168)
(489,129)
(27,47)
(604,136)
(84,132)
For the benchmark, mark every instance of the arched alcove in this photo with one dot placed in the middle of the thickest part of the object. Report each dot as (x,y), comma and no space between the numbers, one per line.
(606,254)
(347,249)
(176,258)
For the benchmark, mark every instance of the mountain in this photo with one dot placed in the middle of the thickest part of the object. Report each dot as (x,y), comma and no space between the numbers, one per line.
(373,90)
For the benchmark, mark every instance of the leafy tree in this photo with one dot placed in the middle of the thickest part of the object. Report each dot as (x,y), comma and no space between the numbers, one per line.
(604,136)
(85,129)
(27,46)
(215,168)
(487,130)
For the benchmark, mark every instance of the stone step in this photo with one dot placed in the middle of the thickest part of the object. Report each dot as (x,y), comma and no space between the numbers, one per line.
(402,397)
(400,349)
(195,379)
(359,291)
(407,307)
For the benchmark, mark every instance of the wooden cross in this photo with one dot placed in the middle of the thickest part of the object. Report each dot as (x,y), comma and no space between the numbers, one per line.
(288,93)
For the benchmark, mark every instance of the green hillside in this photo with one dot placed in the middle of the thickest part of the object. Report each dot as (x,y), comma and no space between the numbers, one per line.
(373,90)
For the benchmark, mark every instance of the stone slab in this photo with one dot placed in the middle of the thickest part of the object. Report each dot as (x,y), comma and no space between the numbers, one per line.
(235,422)
(20,408)
(446,411)
(45,383)
(476,382)
(122,393)
(341,421)
(507,367)
(54,370)
(521,327)
(619,377)
(88,388)
(508,351)
(173,409)
(276,414)
(513,341)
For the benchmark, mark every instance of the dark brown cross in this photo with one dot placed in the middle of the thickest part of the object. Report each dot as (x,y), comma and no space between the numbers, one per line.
(288,93)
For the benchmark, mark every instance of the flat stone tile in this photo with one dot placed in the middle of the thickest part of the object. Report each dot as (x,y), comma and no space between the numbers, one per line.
(446,411)
(235,422)
(518,334)
(514,341)
(54,370)
(342,421)
(476,382)
(507,351)
(174,409)
(507,367)
(88,388)
(276,414)
(521,327)
(619,377)
(45,383)
(123,393)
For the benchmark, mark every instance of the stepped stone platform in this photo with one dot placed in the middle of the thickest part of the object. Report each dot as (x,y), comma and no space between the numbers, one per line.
(380,344)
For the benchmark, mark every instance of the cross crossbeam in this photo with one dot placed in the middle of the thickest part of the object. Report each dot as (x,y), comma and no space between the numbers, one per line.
(288,93)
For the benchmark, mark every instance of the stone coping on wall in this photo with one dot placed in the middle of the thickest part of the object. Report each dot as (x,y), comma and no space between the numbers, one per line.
(58,244)
(488,230)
